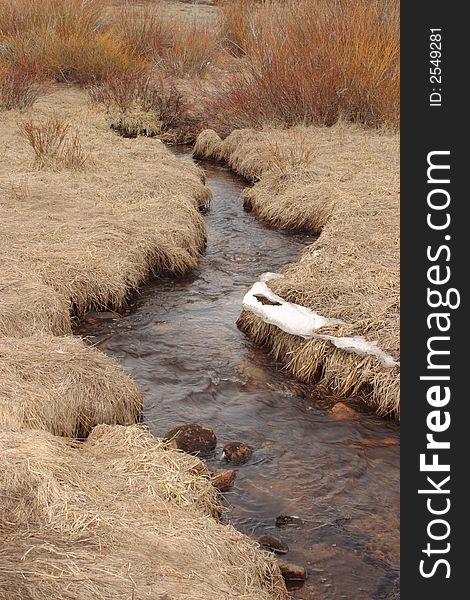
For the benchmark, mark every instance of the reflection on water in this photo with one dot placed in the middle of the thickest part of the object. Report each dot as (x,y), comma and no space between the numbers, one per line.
(181,344)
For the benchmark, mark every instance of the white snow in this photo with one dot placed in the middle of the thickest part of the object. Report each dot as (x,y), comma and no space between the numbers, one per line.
(304,322)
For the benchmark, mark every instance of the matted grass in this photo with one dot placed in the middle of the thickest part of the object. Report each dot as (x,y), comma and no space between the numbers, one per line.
(119,517)
(341,183)
(29,306)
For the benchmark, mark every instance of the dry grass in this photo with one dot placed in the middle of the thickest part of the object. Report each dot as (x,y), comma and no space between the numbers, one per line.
(311,61)
(55,145)
(118,517)
(235,22)
(180,47)
(41,309)
(87,240)
(143,30)
(343,185)
(193,49)
(59,384)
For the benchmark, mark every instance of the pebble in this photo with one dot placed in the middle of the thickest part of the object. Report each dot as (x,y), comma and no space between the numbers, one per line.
(292,572)
(343,411)
(283,520)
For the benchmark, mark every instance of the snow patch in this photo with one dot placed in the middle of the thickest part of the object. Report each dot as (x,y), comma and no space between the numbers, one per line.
(304,322)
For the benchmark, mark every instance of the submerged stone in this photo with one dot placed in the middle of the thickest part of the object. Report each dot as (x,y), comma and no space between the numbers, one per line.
(283,520)
(292,572)
(273,543)
(343,411)
(193,438)
(223,479)
(237,452)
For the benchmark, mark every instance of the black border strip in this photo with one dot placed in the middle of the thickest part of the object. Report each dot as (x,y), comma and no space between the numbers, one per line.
(425,129)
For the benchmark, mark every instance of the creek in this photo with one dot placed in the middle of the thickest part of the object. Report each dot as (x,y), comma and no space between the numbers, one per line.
(340,476)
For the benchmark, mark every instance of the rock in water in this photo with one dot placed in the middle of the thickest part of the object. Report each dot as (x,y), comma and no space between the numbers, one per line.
(237,452)
(273,543)
(342,411)
(222,479)
(193,438)
(292,572)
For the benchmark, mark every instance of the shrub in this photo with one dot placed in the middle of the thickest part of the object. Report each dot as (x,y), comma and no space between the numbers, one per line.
(313,61)
(193,48)
(143,30)
(61,39)
(235,22)
(180,47)
(140,104)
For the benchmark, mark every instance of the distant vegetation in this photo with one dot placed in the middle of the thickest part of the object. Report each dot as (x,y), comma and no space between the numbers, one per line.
(267,62)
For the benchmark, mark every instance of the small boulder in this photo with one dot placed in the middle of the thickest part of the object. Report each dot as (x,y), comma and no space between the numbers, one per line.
(237,452)
(193,438)
(274,544)
(292,572)
(223,479)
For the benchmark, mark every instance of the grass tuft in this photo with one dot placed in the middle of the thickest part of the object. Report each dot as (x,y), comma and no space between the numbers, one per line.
(55,145)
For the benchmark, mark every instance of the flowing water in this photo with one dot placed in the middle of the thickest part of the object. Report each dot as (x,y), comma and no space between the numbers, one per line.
(179,341)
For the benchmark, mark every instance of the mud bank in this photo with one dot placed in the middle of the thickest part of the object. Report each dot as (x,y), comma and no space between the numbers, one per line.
(119,514)
(340,183)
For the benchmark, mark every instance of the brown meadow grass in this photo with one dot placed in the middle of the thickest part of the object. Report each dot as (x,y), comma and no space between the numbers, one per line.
(71,389)
(55,145)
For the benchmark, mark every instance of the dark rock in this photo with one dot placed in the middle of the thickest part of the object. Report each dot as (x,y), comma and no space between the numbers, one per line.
(273,543)
(292,572)
(222,479)
(237,452)
(292,520)
(193,438)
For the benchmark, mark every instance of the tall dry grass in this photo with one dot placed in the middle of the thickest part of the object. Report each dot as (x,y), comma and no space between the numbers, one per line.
(18,90)
(193,49)
(311,61)
(178,46)
(141,105)
(143,30)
